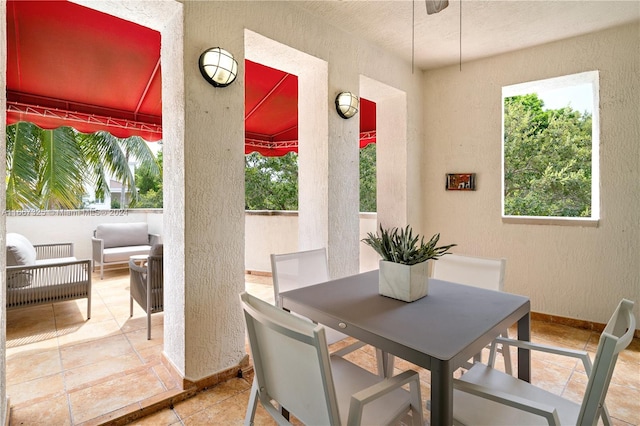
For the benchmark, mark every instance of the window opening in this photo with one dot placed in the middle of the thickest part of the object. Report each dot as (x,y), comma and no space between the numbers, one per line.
(550,148)
(368,200)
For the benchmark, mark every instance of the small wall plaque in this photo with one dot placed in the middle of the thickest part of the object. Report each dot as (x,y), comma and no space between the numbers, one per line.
(461,182)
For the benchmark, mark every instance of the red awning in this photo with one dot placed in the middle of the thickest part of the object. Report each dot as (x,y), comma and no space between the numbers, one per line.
(271,112)
(68,65)
(71,65)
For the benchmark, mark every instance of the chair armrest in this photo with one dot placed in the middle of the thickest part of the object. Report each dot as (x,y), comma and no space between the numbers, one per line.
(53,251)
(135,267)
(97,246)
(524,404)
(47,266)
(154,239)
(581,355)
(361,398)
(52,273)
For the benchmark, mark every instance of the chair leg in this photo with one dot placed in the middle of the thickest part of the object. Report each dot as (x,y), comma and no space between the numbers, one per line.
(506,355)
(417,417)
(130,306)
(149,324)
(253,403)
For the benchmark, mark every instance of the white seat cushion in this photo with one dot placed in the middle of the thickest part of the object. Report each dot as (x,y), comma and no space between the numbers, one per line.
(55,260)
(122,254)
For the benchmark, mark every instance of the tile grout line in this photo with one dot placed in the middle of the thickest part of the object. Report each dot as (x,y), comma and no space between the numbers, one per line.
(62,368)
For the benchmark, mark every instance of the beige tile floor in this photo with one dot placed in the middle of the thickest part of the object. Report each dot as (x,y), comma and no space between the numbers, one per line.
(64,370)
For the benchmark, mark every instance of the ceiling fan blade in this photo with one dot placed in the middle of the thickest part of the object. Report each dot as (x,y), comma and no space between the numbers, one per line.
(435,6)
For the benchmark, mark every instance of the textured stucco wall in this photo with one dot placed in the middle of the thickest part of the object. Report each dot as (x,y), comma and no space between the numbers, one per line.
(348,59)
(277,232)
(203,137)
(570,271)
(214,167)
(4,409)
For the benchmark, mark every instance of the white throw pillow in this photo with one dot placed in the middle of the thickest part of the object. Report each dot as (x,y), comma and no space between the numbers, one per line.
(19,250)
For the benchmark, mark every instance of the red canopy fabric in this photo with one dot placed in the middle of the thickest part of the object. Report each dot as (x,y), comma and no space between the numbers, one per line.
(71,65)
(68,65)
(271,112)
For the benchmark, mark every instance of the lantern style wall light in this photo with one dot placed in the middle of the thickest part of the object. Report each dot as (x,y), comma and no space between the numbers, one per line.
(218,67)
(347,104)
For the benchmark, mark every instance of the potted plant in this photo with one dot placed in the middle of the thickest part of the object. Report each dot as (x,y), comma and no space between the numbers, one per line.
(404,267)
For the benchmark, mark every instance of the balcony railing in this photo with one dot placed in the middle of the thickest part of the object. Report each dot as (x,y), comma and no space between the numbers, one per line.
(266,232)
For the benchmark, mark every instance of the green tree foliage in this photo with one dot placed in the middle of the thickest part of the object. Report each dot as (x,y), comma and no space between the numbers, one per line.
(149,186)
(44,168)
(547,155)
(368,178)
(271,183)
(47,169)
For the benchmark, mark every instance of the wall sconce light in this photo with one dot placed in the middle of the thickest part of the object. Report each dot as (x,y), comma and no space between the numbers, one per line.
(218,67)
(347,104)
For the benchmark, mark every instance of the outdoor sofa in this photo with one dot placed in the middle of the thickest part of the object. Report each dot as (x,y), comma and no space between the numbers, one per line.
(44,273)
(115,243)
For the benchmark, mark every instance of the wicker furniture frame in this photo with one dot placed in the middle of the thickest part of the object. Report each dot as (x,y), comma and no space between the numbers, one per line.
(146,287)
(50,280)
(120,246)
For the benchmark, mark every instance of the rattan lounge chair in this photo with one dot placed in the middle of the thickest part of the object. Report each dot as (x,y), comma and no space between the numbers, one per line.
(45,273)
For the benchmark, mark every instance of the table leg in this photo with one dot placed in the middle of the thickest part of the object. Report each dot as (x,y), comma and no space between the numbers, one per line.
(524,355)
(441,393)
(385,363)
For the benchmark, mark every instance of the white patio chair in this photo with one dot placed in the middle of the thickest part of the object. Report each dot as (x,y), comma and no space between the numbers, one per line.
(301,269)
(477,272)
(293,370)
(304,268)
(485,396)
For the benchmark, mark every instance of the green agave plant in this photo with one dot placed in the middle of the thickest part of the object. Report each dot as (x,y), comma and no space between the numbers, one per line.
(400,246)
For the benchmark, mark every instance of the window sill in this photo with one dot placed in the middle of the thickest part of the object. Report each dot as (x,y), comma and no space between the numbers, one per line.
(556,221)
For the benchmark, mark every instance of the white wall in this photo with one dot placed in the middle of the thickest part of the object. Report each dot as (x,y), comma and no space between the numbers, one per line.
(568,271)
(368,257)
(268,232)
(76,226)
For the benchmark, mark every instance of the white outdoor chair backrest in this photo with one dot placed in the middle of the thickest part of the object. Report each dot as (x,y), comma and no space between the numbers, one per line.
(477,272)
(301,269)
(291,362)
(474,271)
(616,336)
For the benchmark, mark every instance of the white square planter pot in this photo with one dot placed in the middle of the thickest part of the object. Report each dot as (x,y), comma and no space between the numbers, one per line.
(403,282)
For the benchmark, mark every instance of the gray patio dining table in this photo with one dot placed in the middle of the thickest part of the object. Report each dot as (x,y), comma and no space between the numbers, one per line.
(438,332)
